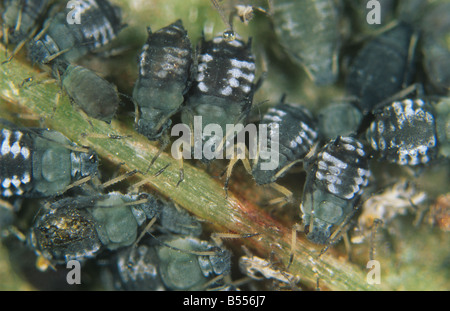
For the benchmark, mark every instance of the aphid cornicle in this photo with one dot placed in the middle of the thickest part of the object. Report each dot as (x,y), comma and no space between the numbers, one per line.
(112,221)
(309,32)
(222,92)
(297,131)
(97,97)
(100,22)
(335,179)
(165,68)
(41,162)
(382,68)
(21,17)
(404,132)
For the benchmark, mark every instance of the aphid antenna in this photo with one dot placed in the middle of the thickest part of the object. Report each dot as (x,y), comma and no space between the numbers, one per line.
(416,88)
(78,183)
(227,21)
(118,179)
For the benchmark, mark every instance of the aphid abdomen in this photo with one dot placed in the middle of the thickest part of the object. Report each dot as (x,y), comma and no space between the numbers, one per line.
(335,180)
(93,94)
(40,163)
(381,68)
(223,89)
(66,233)
(405,133)
(297,133)
(165,65)
(309,32)
(99,24)
(16,162)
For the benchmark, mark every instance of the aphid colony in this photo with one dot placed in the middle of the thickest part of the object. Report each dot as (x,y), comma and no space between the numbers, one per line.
(380,119)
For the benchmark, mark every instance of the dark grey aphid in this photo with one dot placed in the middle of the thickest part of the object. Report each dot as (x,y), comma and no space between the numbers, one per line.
(404,132)
(100,22)
(22,17)
(171,263)
(223,89)
(309,32)
(335,179)
(165,67)
(114,220)
(436,46)
(97,97)
(297,130)
(382,68)
(41,163)
(65,233)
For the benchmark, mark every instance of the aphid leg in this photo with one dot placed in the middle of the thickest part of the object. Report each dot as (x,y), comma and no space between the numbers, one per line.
(218,237)
(411,58)
(42,264)
(348,245)
(164,142)
(376,223)
(20,45)
(240,148)
(145,231)
(15,51)
(338,233)
(296,228)
(286,198)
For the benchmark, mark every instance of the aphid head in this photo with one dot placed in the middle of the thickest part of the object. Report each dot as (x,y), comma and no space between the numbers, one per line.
(218,264)
(88,164)
(152,130)
(319,233)
(38,52)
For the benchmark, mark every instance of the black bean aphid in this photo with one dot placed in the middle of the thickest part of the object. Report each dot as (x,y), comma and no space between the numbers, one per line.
(100,23)
(223,89)
(41,163)
(382,68)
(404,132)
(335,179)
(174,262)
(297,130)
(112,221)
(165,67)
(97,97)
(21,17)
(309,32)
